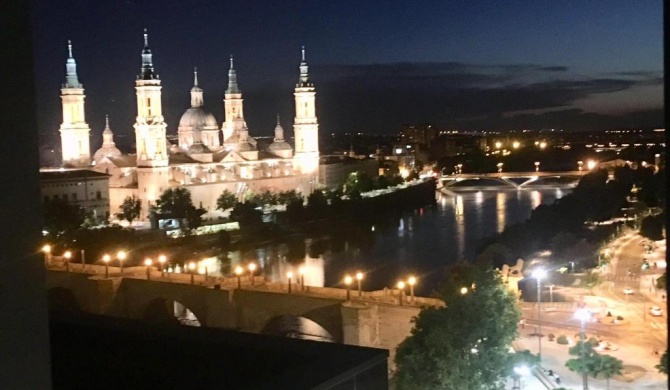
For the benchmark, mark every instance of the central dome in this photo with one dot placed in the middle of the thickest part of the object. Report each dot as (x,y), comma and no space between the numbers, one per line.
(197,117)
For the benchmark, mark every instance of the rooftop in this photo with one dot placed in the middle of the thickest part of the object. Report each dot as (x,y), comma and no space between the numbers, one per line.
(70,174)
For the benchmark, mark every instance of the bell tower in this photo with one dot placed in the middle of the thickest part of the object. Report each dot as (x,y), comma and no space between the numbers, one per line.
(74,131)
(306,126)
(150,127)
(232,103)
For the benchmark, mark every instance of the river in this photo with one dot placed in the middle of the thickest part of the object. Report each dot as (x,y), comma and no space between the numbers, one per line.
(421,243)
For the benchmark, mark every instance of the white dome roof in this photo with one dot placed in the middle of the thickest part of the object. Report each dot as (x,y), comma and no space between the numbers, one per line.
(106,151)
(282,145)
(197,117)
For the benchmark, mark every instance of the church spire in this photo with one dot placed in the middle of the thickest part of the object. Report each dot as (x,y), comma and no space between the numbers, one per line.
(147,72)
(107,135)
(196,92)
(71,79)
(304,78)
(232,78)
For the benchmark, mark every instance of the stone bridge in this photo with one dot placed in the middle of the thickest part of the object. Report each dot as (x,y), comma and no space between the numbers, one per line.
(374,320)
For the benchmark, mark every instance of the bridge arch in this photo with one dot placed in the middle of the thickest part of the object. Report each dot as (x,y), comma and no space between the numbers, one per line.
(165,310)
(62,299)
(297,327)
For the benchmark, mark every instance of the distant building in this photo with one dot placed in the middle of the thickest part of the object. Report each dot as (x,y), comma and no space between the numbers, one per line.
(334,170)
(81,187)
(420,135)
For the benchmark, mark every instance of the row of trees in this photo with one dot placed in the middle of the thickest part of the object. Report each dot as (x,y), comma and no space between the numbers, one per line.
(561,225)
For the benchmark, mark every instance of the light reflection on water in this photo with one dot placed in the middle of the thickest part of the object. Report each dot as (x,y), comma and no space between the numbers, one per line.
(422,243)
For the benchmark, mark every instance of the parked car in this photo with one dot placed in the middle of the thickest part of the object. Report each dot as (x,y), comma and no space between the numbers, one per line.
(628,291)
(655,311)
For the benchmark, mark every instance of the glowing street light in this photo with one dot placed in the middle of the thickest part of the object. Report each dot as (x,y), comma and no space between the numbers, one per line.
(464,290)
(347,281)
(583,315)
(460,168)
(519,371)
(67,255)
(301,272)
(121,256)
(147,263)
(543,145)
(106,259)
(252,269)
(161,260)
(516,144)
(359,279)
(401,292)
(411,281)
(591,164)
(537,166)
(191,268)
(500,166)
(539,274)
(238,272)
(498,145)
(46,249)
(580,165)
(289,275)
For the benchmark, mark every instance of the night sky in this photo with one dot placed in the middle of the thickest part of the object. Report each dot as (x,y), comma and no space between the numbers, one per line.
(460,64)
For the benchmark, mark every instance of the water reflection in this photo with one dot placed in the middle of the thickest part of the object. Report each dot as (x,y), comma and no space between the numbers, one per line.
(422,243)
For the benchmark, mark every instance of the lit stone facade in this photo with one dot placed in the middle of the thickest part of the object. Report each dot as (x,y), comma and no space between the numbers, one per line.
(74,131)
(207,159)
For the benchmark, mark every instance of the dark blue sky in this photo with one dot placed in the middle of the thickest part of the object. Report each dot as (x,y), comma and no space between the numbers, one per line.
(469,64)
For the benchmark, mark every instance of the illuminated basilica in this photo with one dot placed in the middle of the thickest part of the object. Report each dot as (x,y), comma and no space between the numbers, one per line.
(207,159)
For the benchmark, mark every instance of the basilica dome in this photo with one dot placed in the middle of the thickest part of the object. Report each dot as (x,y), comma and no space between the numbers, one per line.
(197,117)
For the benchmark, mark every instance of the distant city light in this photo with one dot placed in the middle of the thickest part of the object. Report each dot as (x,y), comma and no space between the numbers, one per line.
(516,144)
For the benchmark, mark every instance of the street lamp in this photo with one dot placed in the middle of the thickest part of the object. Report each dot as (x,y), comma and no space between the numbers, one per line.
(519,371)
(499,165)
(411,281)
(539,274)
(582,315)
(289,275)
(464,290)
(191,268)
(580,165)
(161,260)
(105,259)
(121,255)
(147,263)
(401,292)
(359,279)
(238,272)
(516,144)
(301,272)
(347,281)
(460,168)
(47,254)
(591,164)
(537,166)
(67,255)
(252,269)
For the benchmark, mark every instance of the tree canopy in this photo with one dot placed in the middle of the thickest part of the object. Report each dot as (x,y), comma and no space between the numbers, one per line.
(593,363)
(131,208)
(464,345)
(226,200)
(61,216)
(177,203)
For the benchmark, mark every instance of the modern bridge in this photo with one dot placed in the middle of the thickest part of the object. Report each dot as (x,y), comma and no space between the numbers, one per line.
(509,180)
(372,319)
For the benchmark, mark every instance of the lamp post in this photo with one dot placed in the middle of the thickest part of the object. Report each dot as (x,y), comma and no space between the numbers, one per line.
(47,254)
(105,259)
(121,255)
(67,255)
(161,260)
(460,168)
(191,268)
(147,263)
(464,290)
(289,275)
(252,269)
(519,371)
(539,274)
(580,165)
(537,166)
(359,279)
(401,292)
(411,281)
(301,273)
(238,272)
(347,282)
(583,315)
(551,293)
(500,166)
